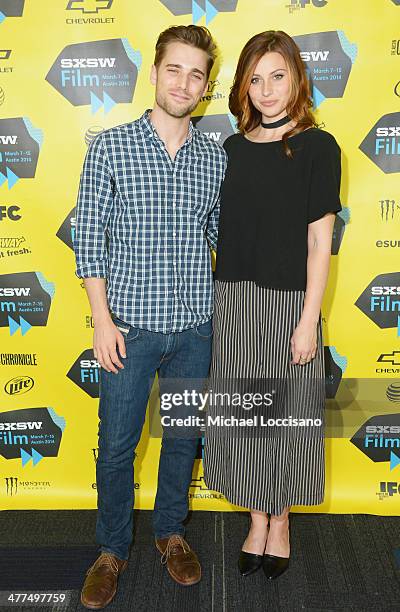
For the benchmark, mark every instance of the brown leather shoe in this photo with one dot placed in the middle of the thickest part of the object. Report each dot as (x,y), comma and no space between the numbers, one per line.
(101,581)
(182,562)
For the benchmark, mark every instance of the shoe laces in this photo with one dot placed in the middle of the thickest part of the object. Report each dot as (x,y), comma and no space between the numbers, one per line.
(174,544)
(106,559)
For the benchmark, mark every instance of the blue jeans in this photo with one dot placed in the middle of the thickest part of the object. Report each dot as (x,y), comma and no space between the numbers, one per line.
(122,409)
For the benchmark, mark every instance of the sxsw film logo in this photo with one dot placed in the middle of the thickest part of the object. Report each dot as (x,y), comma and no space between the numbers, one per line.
(4,57)
(390,360)
(341,220)
(200,8)
(30,434)
(11,8)
(66,232)
(329,58)
(89,7)
(216,127)
(380,301)
(20,143)
(99,73)
(19,385)
(382,143)
(379,439)
(25,300)
(85,372)
(335,367)
(295,5)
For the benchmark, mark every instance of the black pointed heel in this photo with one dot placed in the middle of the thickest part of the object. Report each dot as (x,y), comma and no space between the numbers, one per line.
(274,566)
(249,562)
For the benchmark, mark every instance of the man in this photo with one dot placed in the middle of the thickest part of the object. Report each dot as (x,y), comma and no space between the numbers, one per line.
(147,215)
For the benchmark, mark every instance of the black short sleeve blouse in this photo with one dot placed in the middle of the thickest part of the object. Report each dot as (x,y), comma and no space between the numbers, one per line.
(267,202)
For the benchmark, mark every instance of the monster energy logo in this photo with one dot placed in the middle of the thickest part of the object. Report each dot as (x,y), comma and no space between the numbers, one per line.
(388,209)
(11,486)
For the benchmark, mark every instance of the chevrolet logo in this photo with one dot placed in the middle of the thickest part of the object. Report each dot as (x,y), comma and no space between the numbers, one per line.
(89,6)
(393,358)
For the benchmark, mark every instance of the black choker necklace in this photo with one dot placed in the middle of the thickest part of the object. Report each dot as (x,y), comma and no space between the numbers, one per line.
(276,124)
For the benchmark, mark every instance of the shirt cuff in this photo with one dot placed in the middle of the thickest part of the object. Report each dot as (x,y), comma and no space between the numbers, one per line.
(96,269)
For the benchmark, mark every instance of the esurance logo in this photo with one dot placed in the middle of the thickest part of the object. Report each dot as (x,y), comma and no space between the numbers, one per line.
(89,6)
(30,434)
(102,73)
(25,300)
(329,58)
(379,439)
(380,301)
(20,143)
(216,127)
(200,8)
(382,143)
(11,8)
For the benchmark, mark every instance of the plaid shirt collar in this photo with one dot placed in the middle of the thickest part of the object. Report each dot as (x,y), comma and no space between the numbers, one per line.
(151,131)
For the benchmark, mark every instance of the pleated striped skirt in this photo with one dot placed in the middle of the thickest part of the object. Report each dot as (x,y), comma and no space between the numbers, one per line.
(264,467)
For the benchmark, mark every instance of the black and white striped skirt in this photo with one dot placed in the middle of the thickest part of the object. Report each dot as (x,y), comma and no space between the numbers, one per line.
(264,467)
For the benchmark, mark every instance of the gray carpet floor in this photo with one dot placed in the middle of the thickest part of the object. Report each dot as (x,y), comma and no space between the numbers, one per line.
(338,563)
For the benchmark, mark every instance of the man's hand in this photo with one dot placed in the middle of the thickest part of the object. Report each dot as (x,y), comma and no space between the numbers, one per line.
(105,340)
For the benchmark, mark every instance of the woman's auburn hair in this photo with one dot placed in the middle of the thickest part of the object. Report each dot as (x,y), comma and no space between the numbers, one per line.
(300,102)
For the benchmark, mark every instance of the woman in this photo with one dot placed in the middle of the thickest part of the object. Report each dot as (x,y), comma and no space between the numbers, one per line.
(278,200)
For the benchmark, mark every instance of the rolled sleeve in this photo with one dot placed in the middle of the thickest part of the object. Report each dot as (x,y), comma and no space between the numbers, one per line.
(92,214)
(212,226)
(324,195)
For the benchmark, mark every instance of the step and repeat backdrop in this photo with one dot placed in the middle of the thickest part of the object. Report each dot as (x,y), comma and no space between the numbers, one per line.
(70,69)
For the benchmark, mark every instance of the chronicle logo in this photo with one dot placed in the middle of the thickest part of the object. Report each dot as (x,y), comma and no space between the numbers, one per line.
(25,300)
(341,220)
(199,8)
(15,485)
(335,367)
(379,439)
(66,233)
(382,143)
(329,57)
(11,8)
(92,132)
(10,247)
(85,372)
(392,359)
(30,433)
(99,73)
(19,385)
(380,301)
(295,5)
(216,127)
(20,144)
(17,359)
(10,213)
(395,48)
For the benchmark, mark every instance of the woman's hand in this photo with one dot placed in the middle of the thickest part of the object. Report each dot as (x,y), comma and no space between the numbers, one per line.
(303,343)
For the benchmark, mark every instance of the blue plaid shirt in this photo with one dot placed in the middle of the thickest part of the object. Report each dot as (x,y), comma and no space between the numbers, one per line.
(146,224)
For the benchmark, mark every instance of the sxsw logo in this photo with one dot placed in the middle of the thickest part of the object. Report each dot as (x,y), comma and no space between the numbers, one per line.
(382,143)
(199,8)
(89,6)
(11,8)
(379,439)
(380,301)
